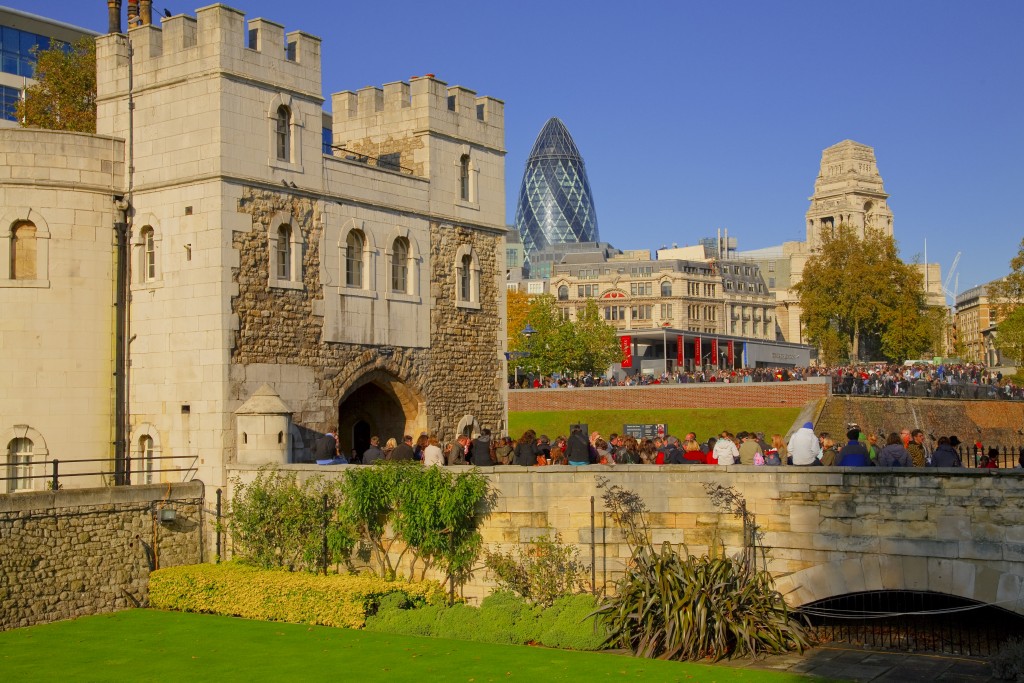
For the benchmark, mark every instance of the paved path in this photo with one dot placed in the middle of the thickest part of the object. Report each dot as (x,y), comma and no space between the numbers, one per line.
(850,664)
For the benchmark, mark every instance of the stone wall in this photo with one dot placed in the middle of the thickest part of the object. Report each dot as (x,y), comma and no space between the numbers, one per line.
(711,395)
(68,554)
(830,531)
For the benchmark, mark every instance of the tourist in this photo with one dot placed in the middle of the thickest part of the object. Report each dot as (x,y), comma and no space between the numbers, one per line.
(725,450)
(389,447)
(403,451)
(777,452)
(804,447)
(750,449)
(828,449)
(504,451)
(526,449)
(893,454)
(480,449)
(432,454)
(373,453)
(854,453)
(916,448)
(944,455)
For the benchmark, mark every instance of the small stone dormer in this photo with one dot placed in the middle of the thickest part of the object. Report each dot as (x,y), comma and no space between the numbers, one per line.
(263,425)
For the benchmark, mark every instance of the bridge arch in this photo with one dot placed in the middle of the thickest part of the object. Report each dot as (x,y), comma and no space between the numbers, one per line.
(973,580)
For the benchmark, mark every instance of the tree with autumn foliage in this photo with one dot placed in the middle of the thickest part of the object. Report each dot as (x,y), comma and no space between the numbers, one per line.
(65,96)
(858,295)
(1007,295)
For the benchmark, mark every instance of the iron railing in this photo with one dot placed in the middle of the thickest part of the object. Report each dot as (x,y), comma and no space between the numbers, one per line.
(53,475)
(912,621)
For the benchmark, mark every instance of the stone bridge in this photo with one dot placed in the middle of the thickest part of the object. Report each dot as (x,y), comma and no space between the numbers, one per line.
(830,531)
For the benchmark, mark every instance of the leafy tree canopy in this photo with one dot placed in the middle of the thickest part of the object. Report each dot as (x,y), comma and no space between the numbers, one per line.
(65,96)
(586,345)
(1008,297)
(857,294)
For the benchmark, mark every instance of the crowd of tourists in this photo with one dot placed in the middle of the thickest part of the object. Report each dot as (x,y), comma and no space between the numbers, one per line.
(875,379)
(908,448)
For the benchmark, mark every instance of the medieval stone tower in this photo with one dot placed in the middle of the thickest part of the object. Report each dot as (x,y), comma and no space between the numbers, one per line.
(363,284)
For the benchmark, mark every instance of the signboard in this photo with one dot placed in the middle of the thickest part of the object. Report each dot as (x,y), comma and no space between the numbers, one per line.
(698,360)
(679,352)
(714,352)
(731,352)
(644,431)
(626,344)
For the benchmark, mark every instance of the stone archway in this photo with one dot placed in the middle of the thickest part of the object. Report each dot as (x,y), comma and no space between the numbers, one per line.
(388,406)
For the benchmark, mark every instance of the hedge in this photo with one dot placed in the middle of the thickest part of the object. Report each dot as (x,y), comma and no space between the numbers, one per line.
(236,589)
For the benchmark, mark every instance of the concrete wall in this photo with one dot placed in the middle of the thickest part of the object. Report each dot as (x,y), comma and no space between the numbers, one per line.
(753,395)
(830,531)
(68,554)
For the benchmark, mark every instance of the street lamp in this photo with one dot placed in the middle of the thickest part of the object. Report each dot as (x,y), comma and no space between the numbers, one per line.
(528,332)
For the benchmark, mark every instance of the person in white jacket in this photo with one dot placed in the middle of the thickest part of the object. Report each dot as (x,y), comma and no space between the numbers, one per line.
(725,450)
(804,447)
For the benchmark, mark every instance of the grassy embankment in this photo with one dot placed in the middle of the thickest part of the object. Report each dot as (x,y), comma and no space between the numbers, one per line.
(704,421)
(149,645)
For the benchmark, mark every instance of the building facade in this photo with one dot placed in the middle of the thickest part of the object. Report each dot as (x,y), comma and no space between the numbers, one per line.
(974,324)
(362,290)
(20,34)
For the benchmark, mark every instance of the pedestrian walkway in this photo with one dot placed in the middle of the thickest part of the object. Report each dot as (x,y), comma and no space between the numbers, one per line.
(837,663)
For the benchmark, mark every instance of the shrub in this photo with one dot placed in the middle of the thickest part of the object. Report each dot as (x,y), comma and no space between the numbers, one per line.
(406,621)
(570,624)
(690,608)
(508,618)
(546,570)
(237,589)
(1008,664)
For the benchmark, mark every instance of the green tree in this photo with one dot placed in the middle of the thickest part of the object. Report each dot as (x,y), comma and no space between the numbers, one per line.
(856,293)
(559,345)
(65,96)
(1007,295)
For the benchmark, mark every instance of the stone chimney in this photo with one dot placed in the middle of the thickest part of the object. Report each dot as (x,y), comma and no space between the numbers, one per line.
(113,16)
(146,11)
(133,14)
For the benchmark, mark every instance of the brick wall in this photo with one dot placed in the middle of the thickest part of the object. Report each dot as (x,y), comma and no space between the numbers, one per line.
(753,395)
(72,553)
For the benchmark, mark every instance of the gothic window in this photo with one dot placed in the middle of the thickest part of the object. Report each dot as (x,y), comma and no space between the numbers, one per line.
(19,464)
(282,133)
(147,463)
(23,251)
(466,278)
(400,265)
(464,178)
(355,245)
(148,236)
(284,252)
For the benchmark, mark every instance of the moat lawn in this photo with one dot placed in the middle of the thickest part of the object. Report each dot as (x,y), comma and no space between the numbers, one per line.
(704,422)
(149,645)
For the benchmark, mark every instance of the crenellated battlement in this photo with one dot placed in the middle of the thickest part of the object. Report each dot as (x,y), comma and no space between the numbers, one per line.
(421,105)
(217,39)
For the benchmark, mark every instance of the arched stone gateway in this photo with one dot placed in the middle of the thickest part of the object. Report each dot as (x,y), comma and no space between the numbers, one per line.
(379,404)
(961,578)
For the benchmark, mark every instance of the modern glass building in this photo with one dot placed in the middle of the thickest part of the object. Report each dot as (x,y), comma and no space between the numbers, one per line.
(555,203)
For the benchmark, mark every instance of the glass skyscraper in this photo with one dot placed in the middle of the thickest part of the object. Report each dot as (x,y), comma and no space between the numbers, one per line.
(555,203)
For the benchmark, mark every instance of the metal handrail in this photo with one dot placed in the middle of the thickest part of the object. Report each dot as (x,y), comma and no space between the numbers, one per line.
(54,475)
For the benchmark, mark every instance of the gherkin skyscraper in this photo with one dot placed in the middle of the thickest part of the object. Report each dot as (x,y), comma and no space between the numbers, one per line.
(555,203)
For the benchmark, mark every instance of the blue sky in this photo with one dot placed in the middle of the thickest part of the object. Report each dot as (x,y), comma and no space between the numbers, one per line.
(697,116)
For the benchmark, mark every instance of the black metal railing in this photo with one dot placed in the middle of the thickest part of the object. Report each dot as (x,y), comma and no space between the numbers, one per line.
(961,391)
(912,621)
(1005,457)
(53,474)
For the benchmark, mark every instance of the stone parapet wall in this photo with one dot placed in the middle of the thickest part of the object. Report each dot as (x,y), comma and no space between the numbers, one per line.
(830,531)
(67,554)
(752,395)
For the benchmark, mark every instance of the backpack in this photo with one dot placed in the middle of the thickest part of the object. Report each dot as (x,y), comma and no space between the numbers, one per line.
(771,457)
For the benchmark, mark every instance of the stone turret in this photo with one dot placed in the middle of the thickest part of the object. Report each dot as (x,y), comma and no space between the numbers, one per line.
(264,425)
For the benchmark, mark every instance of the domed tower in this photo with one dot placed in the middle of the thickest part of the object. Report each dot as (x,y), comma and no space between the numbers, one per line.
(555,203)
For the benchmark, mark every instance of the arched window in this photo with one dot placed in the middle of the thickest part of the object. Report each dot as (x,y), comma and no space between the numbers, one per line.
(400,265)
(146,457)
(354,247)
(563,293)
(282,133)
(19,464)
(466,278)
(284,252)
(464,178)
(148,264)
(666,288)
(23,251)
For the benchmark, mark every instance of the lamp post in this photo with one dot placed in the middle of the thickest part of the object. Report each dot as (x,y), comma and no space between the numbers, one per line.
(528,332)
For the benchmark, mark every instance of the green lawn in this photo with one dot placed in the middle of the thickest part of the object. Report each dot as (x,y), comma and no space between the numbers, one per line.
(704,421)
(149,645)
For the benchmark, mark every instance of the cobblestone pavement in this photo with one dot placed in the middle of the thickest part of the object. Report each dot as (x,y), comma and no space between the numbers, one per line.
(851,664)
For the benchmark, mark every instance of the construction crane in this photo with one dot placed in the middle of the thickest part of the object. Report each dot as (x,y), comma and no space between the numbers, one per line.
(949,276)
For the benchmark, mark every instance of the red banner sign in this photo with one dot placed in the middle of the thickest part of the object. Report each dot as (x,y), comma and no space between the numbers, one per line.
(679,352)
(731,356)
(698,361)
(626,344)
(714,352)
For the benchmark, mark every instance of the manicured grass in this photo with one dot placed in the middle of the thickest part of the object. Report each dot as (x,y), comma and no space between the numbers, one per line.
(704,421)
(149,645)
